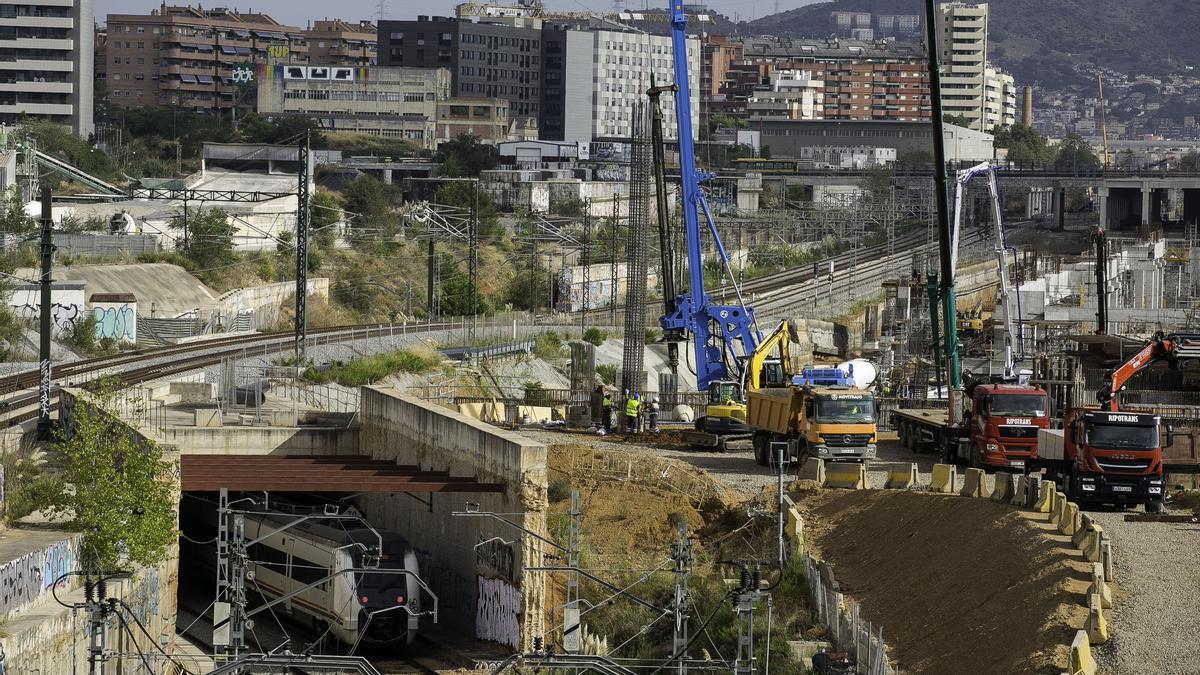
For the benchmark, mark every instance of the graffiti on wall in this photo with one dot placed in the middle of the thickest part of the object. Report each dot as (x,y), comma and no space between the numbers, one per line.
(62,316)
(498,556)
(498,612)
(25,579)
(118,322)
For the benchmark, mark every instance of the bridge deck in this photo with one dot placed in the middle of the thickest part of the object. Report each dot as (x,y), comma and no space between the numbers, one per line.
(327,473)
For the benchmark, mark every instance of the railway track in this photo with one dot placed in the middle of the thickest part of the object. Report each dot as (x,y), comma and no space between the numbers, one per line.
(179,359)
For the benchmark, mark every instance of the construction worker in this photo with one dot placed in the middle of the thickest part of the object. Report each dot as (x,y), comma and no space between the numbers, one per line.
(606,410)
(652,413)
(631,412)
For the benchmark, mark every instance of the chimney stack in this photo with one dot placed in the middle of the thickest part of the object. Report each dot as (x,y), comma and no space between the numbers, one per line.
(1027,107)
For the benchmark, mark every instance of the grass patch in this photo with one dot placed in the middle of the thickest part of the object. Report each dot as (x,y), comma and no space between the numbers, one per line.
(595,336)
(548,345)
(373,368)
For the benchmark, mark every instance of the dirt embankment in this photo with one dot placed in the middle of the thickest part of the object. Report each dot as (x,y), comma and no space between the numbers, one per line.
(1000,599)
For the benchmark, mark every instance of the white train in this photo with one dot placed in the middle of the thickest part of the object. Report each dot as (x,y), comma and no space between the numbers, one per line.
(377,607)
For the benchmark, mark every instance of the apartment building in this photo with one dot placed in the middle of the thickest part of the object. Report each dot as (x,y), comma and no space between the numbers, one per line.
(376,100)
(594,76)
(971,86)
(485,118)
(341,43)
(46,62)
(793,95)
(498,57)
(185,56)
(881,80)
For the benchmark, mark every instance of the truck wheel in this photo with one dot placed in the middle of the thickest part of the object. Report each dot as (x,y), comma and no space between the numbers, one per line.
(910,437)
(760,449)
(1155,506)
(902,432)
(975,462)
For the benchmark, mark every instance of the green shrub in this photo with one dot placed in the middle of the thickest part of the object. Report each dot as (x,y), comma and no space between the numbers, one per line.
(548,345)
(535,393)
(559,489)
(595,336)
(607,373)
(373,368)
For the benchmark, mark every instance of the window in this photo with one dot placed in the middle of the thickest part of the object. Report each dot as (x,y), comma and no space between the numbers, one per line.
(308,572)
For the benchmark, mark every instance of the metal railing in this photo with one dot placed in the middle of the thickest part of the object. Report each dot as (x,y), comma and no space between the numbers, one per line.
(840,615)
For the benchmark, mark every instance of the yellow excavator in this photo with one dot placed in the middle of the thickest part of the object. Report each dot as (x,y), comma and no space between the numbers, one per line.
(724,416)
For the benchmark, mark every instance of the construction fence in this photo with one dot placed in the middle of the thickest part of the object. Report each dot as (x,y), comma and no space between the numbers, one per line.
(847,630)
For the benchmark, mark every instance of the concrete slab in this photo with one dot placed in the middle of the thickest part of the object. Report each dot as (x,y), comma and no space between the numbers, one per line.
(166,290)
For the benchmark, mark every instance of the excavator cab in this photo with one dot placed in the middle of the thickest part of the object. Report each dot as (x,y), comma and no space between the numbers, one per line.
(724,392)
(725,413)
(772,374)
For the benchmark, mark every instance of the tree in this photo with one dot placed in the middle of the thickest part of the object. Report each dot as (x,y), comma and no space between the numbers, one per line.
(914,158)
(459,194)
(113,485)
(877,183)
(456,290)
(1026,146)
(957,120)
(13,218)
(1126,160)
(371,203)
(465,156)
(207,236)
(326,213)
(1075,154)
(1190,161)
(289,129)
(721,120)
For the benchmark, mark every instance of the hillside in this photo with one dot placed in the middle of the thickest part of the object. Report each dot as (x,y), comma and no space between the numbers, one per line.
(1040,41)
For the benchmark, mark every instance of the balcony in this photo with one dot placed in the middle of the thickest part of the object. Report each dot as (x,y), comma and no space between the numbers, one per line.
(36,108)
(63,44)
(29,21)
(38,87)
(64,66)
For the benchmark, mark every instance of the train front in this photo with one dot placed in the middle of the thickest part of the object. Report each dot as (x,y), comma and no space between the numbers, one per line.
(389,602)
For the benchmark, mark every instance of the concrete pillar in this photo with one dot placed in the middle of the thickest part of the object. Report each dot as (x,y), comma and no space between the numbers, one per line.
(387,176)
(1060,211)
(1147,193)
(1102,207)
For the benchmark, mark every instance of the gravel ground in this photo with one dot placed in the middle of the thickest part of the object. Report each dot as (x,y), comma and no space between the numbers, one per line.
(1156,615)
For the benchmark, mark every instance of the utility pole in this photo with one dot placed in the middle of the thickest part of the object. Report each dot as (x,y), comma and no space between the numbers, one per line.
(781,463)
(431,259)
(473,258)
(748,594)
(302,222)
(572,637)
(945,245)
(586,255)
(45,424)
(681,553)
(97,612)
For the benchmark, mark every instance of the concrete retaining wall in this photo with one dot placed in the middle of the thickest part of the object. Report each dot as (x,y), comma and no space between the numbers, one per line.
(258,440)
(480,579)
(262,303)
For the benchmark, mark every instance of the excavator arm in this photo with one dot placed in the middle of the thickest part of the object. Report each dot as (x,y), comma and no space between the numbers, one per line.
(781,337)
(1158,349)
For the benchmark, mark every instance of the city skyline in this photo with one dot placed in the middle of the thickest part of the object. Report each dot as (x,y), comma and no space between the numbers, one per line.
(304,11)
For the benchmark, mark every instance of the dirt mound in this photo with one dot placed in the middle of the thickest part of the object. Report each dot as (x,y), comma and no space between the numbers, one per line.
(627,518)
(1000,598)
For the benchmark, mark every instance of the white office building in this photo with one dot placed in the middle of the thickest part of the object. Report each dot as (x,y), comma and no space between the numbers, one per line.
(604,72)
(46,69)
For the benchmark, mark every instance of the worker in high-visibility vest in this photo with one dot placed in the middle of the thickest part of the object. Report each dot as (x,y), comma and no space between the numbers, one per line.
(606,411)
(631,412)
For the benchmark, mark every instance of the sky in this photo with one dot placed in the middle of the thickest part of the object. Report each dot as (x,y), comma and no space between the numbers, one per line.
(300,12)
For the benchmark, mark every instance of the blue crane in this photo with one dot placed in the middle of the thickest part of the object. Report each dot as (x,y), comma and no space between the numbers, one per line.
(723,335)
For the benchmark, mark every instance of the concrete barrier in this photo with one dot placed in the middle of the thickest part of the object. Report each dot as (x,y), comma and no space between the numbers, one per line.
(1080,659)
(794,529)
(1093,548)
(1106,558)
(972,483)
(1060,508)
(207,417)
(1068,523)
(1019,497)
(1003,490)
(850,475)
(1045,498)
(1100,587)
(1084,526)
(1096,626)
(944,478)
(1033,491)
(901,476)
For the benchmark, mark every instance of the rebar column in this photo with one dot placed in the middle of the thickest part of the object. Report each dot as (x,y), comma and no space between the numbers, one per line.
(633,371)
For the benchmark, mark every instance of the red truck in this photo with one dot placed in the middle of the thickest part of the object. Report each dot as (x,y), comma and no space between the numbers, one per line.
(999,428)
(1106,457)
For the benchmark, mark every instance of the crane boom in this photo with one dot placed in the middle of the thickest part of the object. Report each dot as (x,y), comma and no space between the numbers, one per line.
(694,311)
